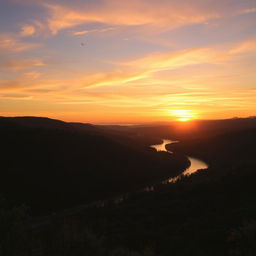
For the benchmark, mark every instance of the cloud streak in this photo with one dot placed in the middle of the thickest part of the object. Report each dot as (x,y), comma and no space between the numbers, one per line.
(27,30)
(144,67)
(166,15)
(247,46)
(101,30)
(9,43)
(20,64)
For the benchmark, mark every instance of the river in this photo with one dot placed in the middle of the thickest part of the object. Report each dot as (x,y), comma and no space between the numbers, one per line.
(195,164)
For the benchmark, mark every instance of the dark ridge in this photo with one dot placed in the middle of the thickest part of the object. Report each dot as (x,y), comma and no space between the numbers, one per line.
(55,165)
(211,212)
(36,122)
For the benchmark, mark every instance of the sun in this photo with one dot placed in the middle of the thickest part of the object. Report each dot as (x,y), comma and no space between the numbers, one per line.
(183,119)
(183,115)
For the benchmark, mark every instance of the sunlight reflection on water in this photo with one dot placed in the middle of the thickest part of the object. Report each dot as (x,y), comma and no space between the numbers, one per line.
(195,164)
(161,147)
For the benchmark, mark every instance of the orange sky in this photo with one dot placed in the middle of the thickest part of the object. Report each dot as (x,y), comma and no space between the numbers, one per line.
(128,61)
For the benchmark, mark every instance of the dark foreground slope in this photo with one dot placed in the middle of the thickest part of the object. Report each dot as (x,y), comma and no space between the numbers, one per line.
(210,213)
(49,164)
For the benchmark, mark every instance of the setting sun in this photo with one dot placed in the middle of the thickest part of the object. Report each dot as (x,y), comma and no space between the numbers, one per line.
(183,115)
(108,61)
(183,119)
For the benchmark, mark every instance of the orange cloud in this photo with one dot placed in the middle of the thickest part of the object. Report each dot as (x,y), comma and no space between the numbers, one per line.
(170,15)
(140,71)
(28,30)
(31,75)
(251,10)
(244,47)
(15,96)
(8,85)
(21,64)
(172,60)
(26,82)
(9,43)
(84,32)
(116,77)
(144,67)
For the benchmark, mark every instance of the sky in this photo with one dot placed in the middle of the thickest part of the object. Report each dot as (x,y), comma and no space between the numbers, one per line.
(104,61)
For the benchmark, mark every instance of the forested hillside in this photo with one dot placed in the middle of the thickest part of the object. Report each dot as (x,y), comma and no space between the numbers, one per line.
(211,212)
(50,165)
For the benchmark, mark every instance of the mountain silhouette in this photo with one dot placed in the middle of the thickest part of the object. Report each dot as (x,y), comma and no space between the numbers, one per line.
(49,164)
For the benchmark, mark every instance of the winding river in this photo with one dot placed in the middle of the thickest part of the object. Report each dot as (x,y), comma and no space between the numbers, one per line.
(195,164)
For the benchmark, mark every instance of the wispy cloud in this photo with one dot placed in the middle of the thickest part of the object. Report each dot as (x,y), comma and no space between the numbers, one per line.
(32,75)
(141,71)
(169,15)
(251,10)
(144,67)
(9,43)
(15,96)
(244,47)
(19,64)
(172,60)
(100,30)
(148,65)
(115,77)
(27,30)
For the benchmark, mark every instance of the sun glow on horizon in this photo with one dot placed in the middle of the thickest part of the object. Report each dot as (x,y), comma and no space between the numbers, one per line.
(183,115)
(184,119)
(111,62)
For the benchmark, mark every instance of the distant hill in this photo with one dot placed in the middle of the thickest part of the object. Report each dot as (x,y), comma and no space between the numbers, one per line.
(197,128)
(228,147)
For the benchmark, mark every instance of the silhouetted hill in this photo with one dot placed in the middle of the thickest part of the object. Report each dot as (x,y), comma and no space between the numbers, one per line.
(89,128)
(211,212)
(48,164)
(228,148)
(34,122)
